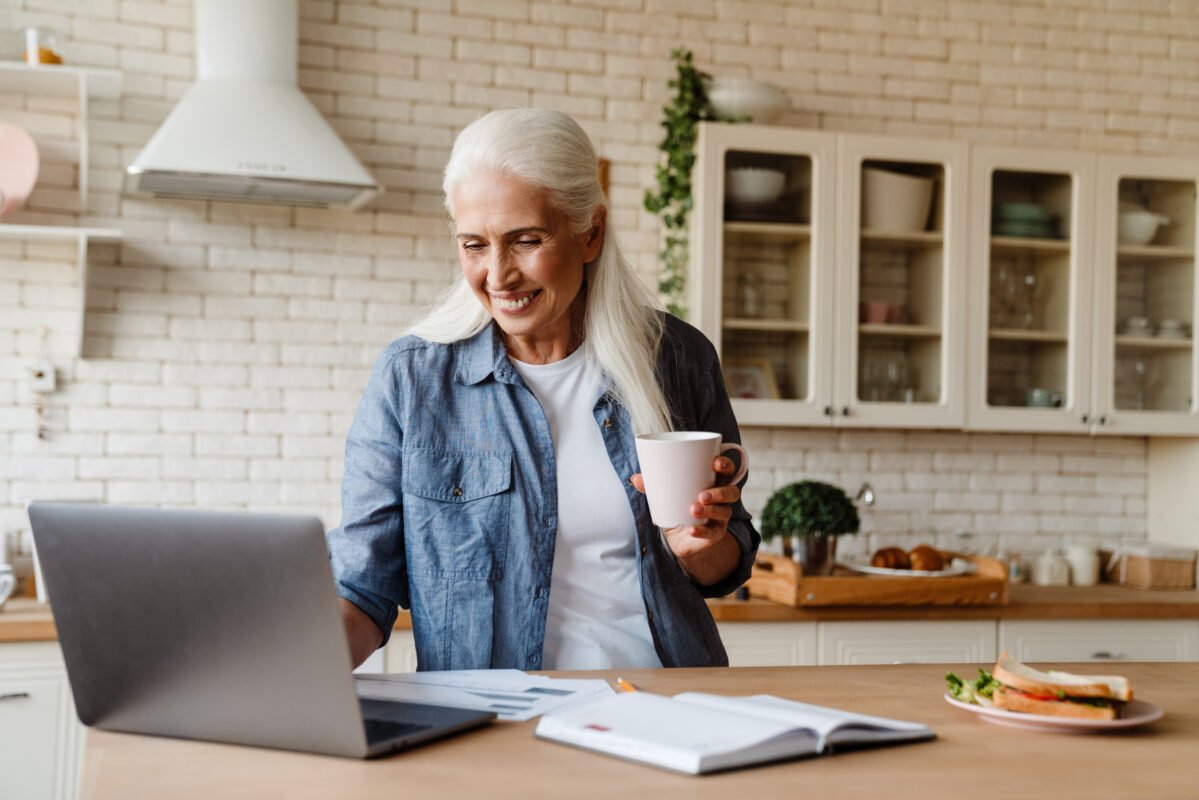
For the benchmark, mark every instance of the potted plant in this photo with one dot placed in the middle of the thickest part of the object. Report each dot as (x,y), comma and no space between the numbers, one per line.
(672,199)
(815,513)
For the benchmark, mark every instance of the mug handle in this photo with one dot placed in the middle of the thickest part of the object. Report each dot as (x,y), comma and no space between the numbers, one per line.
(744,461)
(7,583)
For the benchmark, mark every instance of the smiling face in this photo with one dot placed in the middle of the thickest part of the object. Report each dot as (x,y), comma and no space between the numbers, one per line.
(523,262)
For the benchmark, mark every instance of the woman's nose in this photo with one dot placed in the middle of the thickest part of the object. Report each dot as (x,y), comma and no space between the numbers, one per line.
(500,269)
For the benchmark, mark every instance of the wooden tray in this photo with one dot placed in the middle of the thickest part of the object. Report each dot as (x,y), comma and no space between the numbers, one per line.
(781,580)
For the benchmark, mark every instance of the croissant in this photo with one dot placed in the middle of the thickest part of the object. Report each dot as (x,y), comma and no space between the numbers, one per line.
(926,559)
(891,558)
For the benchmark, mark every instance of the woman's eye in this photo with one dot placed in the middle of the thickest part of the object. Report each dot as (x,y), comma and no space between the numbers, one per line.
(528,242)
(472,247)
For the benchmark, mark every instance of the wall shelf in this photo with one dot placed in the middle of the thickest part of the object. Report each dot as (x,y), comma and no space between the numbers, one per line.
(779,325)
(780,230)
(83,83)
(1154,252)
(82,238)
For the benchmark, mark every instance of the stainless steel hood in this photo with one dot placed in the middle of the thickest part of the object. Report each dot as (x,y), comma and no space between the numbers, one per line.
(244,131)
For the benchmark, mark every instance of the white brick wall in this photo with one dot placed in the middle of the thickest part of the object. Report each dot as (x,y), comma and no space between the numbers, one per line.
(226,345)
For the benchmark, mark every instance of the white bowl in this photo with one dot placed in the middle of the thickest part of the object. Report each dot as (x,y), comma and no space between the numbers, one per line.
(754,184)
(895,201)
(1139,227)
(745,98)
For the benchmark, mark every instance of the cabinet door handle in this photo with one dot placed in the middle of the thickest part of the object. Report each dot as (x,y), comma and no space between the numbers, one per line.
(1103,420)
(12,695)
(1086,418)
(828,411)
(1107,655)
(845,411)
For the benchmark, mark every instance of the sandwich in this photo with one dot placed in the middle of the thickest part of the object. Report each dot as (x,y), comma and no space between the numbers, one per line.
(1058,694)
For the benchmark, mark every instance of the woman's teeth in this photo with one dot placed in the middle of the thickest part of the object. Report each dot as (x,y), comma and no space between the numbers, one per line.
(514,304)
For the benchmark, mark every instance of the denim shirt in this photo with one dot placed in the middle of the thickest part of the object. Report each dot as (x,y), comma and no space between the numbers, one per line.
(449,503)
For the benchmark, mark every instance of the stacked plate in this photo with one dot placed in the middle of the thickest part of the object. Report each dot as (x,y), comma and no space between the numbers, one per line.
(1028,220)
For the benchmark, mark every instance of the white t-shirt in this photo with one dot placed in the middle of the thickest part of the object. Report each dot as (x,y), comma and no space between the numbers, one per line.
(596,617)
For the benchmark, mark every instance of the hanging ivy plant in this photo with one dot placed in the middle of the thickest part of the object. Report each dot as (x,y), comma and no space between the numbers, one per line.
(672,201)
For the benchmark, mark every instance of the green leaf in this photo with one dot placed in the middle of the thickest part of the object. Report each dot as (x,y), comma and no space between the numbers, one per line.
(672,201)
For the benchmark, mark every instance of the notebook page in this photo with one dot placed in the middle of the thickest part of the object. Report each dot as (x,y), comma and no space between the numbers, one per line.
(825,722)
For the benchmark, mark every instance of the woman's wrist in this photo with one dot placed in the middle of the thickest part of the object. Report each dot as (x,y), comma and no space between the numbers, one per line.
(713,562)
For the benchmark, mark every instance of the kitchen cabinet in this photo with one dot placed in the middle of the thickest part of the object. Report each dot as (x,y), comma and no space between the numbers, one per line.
(898,313)
(1054,290)
(41,739)
(1100,640)
(399,655)
(763,273)
(1010,302)
(1146,376)
(769,644)
(917,642)
(842,643)
(840,302)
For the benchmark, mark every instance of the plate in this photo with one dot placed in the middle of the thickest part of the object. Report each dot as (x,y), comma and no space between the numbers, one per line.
(956,567)
(1136,714)
(18,166)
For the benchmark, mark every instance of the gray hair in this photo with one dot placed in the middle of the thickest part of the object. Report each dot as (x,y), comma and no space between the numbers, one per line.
(623,322)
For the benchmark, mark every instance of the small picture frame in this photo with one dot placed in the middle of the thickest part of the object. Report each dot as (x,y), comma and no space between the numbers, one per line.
(750,379)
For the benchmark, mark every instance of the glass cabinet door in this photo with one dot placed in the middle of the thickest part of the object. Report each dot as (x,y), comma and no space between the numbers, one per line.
(1030,341)
(1145,359)
(901,282)
(763,299)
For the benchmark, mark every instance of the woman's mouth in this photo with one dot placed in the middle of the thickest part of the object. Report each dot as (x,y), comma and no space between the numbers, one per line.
(515,304)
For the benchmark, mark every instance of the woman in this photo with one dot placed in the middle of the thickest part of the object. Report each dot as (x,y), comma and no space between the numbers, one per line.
(489,482)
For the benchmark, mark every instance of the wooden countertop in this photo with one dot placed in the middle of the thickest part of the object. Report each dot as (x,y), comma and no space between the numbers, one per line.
(1106,601)
(25,620)
(970,758)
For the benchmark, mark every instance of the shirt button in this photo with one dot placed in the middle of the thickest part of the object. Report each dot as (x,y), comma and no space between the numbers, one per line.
(456,491)
(540,591)
(607,422)
(643,549)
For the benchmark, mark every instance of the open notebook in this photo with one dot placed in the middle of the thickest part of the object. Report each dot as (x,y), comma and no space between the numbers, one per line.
(697,733)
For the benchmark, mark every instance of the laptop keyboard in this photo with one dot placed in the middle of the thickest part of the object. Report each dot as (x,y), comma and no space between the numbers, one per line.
(381,730)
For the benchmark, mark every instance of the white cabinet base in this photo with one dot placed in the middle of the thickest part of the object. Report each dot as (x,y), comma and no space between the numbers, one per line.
(1100,640)
(769,644)
(400,653)
(41,740)
(921,642)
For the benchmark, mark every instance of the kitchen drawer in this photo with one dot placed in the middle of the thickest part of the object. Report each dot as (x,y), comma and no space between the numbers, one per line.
(1100,640)
(41,739)
(921,642)
(769,644)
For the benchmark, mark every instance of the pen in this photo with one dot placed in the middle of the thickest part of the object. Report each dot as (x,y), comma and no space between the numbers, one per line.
(625,686)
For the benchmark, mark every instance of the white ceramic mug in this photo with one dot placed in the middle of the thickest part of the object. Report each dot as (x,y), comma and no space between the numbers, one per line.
(676,466)
(1084,565)
(8,582)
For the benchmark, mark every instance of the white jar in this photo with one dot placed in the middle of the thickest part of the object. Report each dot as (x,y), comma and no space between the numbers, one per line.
(1084,565)
(1051,569)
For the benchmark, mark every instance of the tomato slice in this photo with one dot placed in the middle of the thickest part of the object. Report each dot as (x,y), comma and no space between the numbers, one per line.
(1033,696)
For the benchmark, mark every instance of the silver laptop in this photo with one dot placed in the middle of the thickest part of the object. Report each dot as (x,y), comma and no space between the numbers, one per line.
(216,626)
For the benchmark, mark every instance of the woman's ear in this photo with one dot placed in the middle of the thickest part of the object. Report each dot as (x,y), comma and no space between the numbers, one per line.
(594,241)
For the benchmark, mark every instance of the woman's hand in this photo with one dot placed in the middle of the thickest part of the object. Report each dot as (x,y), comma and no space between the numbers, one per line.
(708,553)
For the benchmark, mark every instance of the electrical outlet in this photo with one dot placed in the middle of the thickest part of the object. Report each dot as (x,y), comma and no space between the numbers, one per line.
(41,377)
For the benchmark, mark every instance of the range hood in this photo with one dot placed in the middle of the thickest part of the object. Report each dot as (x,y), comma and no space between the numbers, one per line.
(244,131)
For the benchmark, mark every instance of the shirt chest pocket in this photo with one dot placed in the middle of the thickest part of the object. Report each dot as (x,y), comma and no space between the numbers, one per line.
(456,512)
